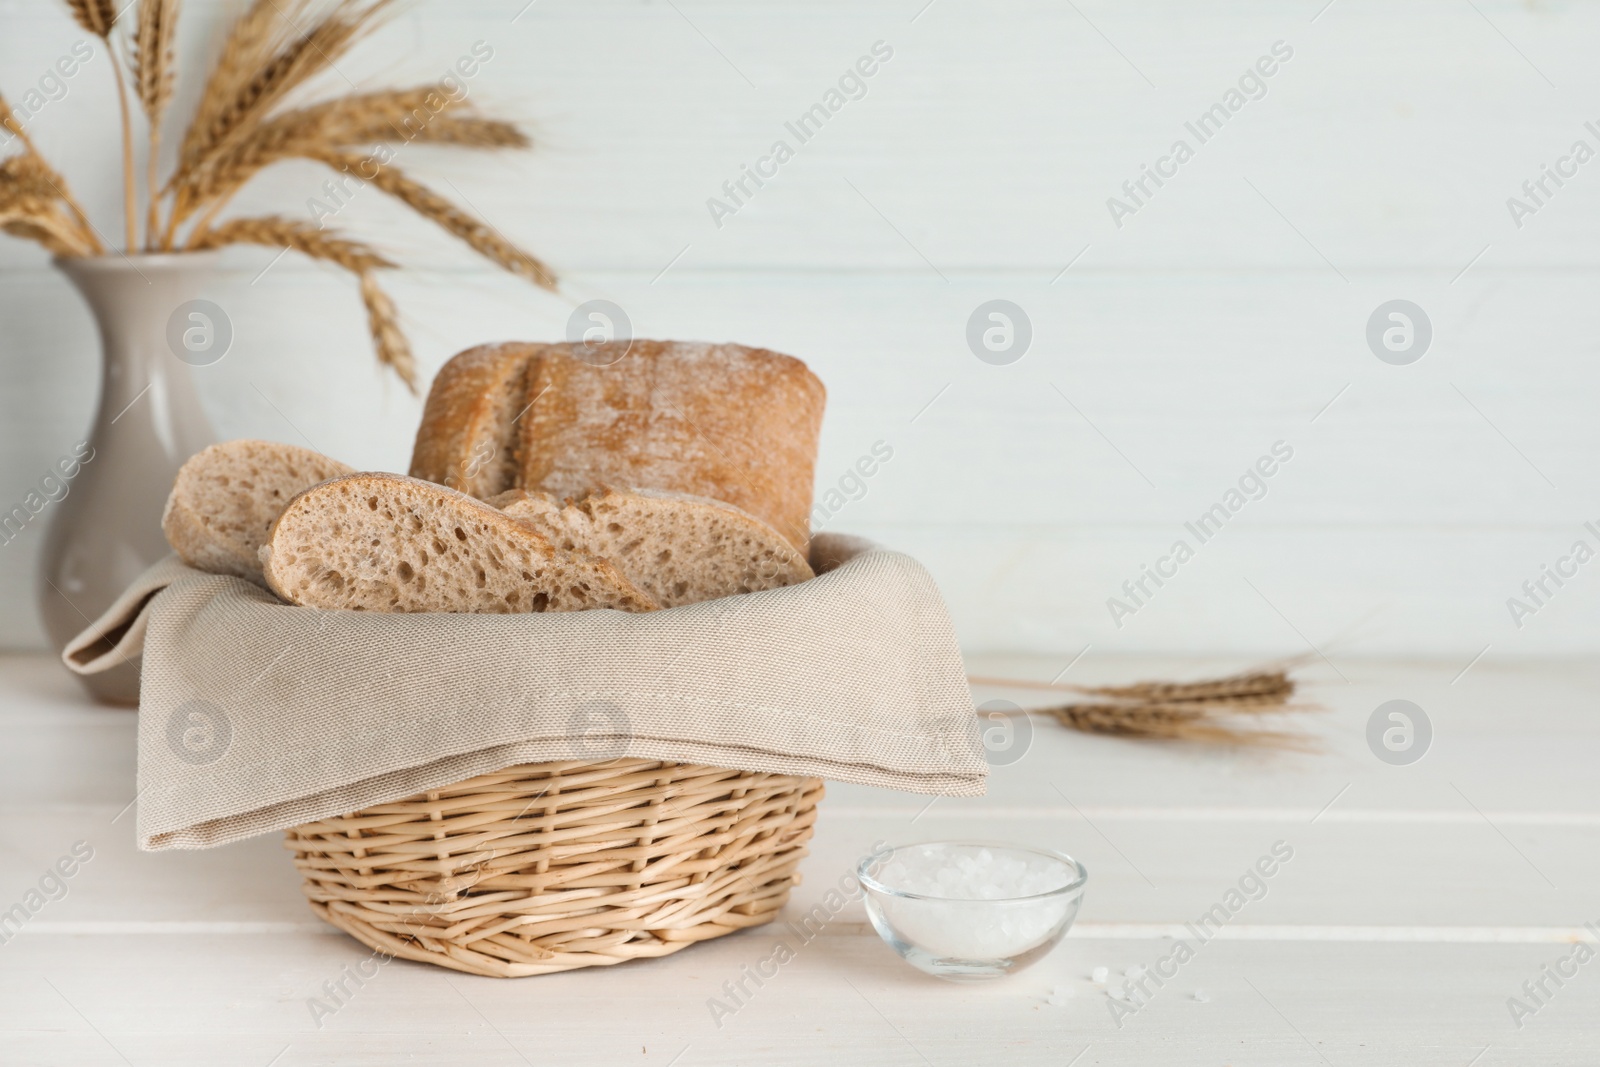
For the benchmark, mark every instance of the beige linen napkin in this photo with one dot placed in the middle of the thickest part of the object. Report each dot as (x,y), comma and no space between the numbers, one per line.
(256,715)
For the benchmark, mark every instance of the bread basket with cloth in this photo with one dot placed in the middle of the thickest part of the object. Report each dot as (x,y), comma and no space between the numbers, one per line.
(585,723)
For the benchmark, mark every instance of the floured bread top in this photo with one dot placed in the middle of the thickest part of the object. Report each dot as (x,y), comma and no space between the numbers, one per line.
(721,421)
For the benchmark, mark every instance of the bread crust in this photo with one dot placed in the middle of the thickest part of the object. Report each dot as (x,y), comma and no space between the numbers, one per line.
(467,439)
(384,542)
(722,421)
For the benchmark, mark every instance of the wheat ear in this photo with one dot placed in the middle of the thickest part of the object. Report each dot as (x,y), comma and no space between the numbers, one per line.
(1185,711)
(423,114)
(383,322)
(1246,687)
(33,213)
(10,123)
(261,63)
(153,63)
(29,207)
(274,231)
(31,166)
(98,17)
(39,220)
(1172,722)
(53,235)
(483,238)
(255,37)
(357,258)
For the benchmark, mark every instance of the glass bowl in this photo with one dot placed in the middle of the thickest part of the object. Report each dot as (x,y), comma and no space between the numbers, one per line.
(971,910)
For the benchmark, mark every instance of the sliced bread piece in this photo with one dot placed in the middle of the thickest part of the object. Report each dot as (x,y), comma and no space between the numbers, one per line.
(468,436)
(722,421)
(225,498)
(384,542)
(680,549)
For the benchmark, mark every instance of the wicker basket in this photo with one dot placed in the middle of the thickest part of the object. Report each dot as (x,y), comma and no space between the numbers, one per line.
(552,866)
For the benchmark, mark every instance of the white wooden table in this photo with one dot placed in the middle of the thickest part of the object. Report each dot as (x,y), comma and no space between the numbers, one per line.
(1418,900)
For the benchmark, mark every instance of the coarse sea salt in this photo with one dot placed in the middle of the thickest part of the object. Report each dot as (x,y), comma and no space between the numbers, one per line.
(971,872)
(969,901)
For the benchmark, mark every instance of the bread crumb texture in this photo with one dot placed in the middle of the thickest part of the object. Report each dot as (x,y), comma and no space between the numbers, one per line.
(377,542)
(680,549)
(226,497)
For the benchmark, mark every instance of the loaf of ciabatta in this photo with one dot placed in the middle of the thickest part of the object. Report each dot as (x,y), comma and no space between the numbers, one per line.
(721,421)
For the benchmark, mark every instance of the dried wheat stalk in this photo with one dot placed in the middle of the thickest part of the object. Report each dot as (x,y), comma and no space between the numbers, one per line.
(421,114)
(40,221)
(252,41)
(1185,711)
(304,237)
(8,120)
(29,208)
(37,193)
(266,56)
(153,59)
(1270,686)
(354,256)
(425,114)
(152,62)
(53,237)
(483,238)
(471,131)
(383,322)
(1175,722)
(25,177)
(247,119)
(99,17)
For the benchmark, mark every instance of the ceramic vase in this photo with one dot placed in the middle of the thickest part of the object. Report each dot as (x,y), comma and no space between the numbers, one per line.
(156,325)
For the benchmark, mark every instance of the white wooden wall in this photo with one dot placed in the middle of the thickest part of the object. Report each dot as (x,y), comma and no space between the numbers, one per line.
(1228,314)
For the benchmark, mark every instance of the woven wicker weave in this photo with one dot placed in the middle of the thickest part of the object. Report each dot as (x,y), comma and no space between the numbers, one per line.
(553,866)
